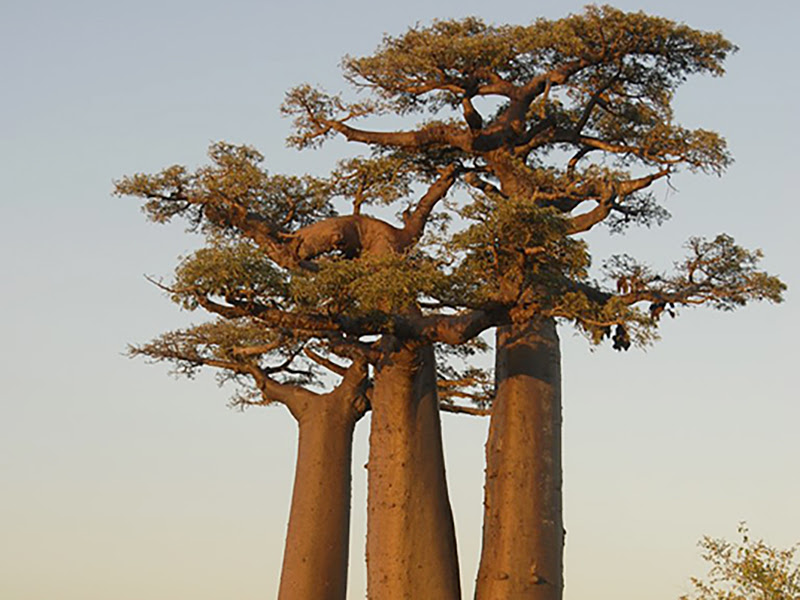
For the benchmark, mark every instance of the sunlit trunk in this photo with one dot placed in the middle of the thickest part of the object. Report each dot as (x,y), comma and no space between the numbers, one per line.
(316,555)
(411,547)
(523,534)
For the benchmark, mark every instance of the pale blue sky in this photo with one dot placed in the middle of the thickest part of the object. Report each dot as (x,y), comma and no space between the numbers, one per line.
(119,482)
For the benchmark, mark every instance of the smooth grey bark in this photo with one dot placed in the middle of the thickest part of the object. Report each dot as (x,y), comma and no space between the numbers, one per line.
(523,532)
(411,546)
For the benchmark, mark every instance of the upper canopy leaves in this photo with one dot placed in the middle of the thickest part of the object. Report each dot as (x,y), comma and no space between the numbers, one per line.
(597,82)
(219,196)
(582,128)
(449,59)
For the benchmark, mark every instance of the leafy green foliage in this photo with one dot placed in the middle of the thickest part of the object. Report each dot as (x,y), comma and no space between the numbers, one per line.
(583,126)
(312,110)
(510,247)
(725,273)
(238,270)
(241,342)
(458,377)
(449,58)
(748,570)
(242,351)
(234,185)
(371,287)
(379,180)
(716,272)
(584,119)
(640,209)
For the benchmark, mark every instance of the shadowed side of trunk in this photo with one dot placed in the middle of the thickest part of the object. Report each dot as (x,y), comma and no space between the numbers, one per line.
(411,547)
(523,534)
(317,551)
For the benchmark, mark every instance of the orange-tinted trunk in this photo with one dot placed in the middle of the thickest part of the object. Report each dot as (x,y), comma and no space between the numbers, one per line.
(411,547)
(316,554)
(523,534)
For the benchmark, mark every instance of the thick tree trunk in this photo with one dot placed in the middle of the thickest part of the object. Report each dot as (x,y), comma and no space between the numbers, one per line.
(316,554)
(523,534)
(411,546)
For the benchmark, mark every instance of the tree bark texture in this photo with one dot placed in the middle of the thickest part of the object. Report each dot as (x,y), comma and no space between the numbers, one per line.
(523,533)
(411,546)
(316,555)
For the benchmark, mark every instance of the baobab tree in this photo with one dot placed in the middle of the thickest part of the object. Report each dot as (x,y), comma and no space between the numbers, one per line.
(578,126)
(270,364)
(277,258)
(554,128)
(266,367)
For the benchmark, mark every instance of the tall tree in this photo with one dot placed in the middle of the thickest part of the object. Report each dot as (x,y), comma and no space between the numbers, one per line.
(279,259)
(272,357)
(577,125)
(317,540)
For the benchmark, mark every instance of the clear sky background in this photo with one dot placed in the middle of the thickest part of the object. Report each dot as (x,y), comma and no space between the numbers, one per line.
(118,482)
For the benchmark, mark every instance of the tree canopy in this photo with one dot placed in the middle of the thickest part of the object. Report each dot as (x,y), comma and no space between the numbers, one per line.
(513,143)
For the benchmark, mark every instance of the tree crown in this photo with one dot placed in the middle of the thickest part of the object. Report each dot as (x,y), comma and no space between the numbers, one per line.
(582,128)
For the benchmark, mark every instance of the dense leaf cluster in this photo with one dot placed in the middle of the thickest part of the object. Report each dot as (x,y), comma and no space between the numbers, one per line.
(581,130)
(232,185)
(453,58)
